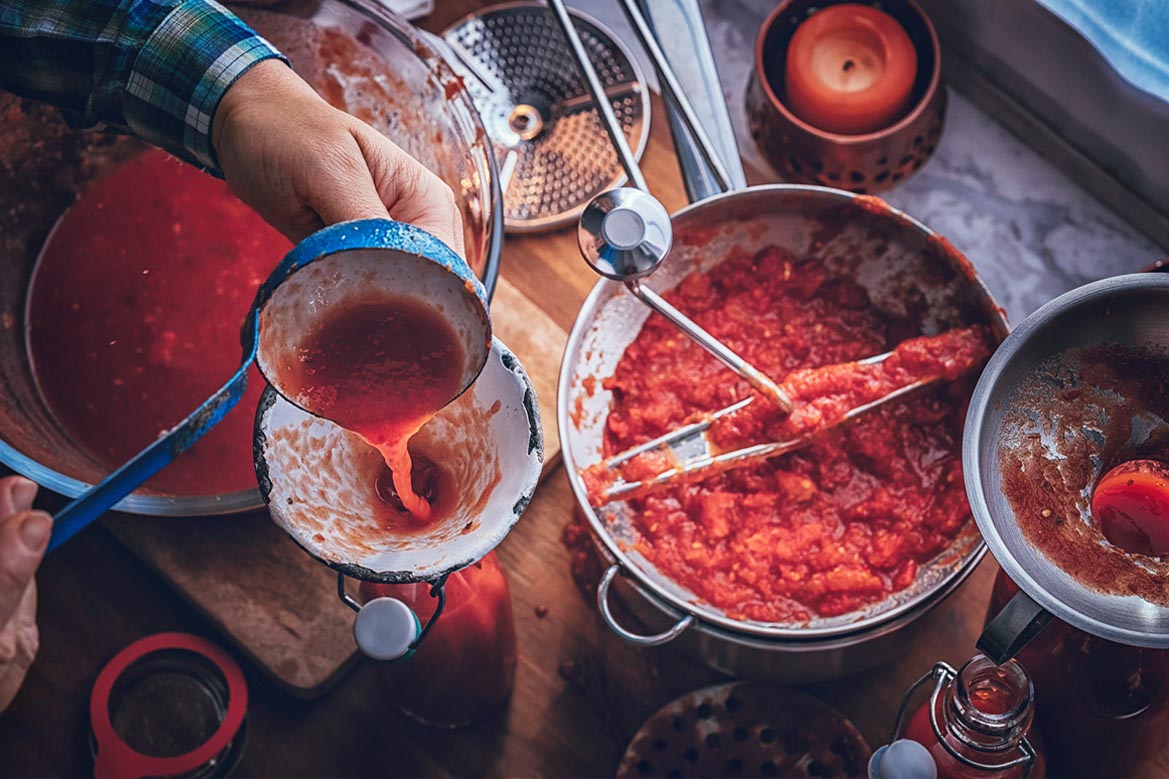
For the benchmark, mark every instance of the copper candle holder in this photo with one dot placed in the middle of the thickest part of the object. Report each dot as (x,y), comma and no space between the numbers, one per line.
(865,163)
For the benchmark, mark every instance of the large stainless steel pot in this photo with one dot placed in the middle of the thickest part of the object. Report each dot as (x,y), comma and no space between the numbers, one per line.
(358,55)
(909,272)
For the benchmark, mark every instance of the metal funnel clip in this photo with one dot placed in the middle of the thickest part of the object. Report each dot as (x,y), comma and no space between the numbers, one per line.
(1055,417)
(319,479)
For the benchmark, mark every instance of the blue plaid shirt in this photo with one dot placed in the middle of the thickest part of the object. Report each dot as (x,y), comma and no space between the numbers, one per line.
(152,68)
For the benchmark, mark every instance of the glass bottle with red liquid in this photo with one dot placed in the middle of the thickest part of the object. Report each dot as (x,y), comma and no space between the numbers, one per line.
(460,667)
(976,722)
(1103,706)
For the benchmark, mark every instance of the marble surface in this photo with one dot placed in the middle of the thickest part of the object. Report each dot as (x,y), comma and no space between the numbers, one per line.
(1030,231)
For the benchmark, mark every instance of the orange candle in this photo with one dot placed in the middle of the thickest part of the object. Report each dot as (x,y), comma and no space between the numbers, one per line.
(850,70)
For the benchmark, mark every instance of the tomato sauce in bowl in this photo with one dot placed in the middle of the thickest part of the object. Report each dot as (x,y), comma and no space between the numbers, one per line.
(134,317)
(822,532)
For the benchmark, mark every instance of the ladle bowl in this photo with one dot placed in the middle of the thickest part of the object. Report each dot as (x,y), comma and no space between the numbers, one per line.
(357,261)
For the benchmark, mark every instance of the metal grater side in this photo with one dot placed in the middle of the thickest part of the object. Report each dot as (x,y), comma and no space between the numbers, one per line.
(552,150)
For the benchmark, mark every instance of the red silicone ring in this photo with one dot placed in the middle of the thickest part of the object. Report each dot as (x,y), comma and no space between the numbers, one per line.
(115,758)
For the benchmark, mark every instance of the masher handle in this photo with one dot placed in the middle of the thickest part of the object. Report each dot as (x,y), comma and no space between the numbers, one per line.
(723,353)
(597,89)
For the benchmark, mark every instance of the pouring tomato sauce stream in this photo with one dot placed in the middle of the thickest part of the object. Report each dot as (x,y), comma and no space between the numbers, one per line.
(382,367)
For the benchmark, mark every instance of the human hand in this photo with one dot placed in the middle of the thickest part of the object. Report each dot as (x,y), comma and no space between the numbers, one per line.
(303,165)
(24,534)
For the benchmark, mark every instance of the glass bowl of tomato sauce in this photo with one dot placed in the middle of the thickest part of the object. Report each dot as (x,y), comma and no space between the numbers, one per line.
(821,562)
(125,275)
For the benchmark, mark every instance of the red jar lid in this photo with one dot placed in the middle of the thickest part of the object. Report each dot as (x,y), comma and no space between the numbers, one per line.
(167,705)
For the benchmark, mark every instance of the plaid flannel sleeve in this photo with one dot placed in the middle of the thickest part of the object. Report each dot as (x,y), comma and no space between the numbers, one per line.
(152,68)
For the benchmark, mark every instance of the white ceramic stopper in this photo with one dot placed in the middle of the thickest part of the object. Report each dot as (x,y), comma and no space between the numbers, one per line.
(385,628)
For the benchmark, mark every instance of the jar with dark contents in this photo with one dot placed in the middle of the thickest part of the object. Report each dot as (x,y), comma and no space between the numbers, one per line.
(981,723)
(463,669)
(1103,706)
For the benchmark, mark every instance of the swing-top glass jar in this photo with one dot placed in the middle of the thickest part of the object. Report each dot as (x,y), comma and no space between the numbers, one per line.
(976,722)
(460,667)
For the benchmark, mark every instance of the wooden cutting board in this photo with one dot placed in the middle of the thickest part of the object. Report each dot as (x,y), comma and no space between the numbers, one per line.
(271,600)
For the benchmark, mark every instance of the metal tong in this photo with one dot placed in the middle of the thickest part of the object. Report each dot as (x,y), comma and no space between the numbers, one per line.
(625,234)
(697,458)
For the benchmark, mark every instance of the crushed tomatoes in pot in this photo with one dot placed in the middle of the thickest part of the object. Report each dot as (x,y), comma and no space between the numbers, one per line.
(835,526)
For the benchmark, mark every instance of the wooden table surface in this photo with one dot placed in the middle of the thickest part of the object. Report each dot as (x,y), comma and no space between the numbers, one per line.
(95,598)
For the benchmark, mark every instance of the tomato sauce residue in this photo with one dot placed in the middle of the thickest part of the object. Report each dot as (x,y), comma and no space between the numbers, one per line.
(453,86)
(135,312)
(823,531)
(1131,503)
(382,368)
(1069,423)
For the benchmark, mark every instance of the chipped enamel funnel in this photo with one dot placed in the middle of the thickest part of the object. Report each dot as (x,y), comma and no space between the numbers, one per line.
(353,262)
(318,480)
(1128,311)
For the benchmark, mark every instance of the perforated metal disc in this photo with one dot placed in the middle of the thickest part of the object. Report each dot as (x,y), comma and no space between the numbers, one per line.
(552,149)
(745,729)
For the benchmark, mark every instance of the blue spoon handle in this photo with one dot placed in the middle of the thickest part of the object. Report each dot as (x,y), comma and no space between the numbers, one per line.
(95,501)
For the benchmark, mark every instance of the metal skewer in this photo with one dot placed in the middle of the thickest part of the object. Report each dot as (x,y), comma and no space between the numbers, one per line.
(625,234)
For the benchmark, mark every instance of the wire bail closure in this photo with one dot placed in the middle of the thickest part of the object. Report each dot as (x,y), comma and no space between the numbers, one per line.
(943,673)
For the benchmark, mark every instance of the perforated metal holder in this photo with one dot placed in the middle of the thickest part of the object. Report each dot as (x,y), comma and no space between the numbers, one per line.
(552,150)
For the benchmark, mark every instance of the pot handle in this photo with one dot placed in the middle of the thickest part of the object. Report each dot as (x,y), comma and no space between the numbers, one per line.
(1013,628)
(657,639)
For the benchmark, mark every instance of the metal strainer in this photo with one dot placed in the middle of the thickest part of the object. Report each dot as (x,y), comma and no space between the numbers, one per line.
(553,153)
(746,729)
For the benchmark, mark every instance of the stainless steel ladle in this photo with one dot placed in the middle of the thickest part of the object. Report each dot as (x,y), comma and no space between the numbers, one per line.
(625,234)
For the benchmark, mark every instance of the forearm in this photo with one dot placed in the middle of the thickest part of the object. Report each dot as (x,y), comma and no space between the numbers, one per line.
(154,68)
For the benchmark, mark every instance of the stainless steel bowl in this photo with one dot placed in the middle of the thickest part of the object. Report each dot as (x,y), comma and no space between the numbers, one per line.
(44,164)
(908,271)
